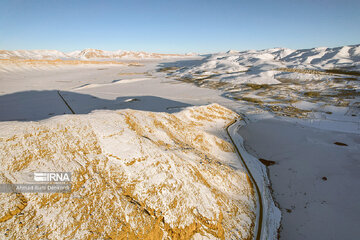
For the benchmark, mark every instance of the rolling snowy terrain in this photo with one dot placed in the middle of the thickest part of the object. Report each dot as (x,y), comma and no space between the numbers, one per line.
(270,66)
(300,115)
(319,83)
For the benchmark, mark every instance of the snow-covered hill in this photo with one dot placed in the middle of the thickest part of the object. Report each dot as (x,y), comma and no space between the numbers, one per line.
(136,175)
(34,54)
(270,65)
(86,54)
(293,83)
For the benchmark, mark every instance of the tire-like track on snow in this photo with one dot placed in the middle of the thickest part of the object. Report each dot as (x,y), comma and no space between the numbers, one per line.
(260,217)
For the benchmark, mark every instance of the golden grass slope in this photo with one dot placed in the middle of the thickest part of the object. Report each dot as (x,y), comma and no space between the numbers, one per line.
(136,175)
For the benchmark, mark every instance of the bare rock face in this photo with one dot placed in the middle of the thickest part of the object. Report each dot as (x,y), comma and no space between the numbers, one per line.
(135,175)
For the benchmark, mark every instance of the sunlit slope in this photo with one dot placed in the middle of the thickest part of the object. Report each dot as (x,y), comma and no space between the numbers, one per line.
(273,66)
(136,174)
(285,82)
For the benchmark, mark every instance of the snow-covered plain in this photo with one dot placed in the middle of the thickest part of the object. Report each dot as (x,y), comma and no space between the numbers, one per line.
(302,107)
(314,181)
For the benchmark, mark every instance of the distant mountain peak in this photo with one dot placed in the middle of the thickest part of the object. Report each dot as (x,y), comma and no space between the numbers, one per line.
(85,54)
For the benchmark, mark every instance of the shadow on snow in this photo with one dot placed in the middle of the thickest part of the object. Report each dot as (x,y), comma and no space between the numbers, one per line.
(39,105)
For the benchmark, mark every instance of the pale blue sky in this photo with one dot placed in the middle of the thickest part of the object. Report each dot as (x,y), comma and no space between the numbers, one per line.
(177,26)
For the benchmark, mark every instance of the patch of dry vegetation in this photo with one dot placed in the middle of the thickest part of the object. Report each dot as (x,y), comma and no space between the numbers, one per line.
(168,69)
(249,99)
(320,72)
(304,71)
(312,94)
(342,72)
(288,111)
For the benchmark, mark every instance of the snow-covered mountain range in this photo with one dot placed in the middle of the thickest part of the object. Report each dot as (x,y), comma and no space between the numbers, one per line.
(284,81)
(269,65)
(86,54)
